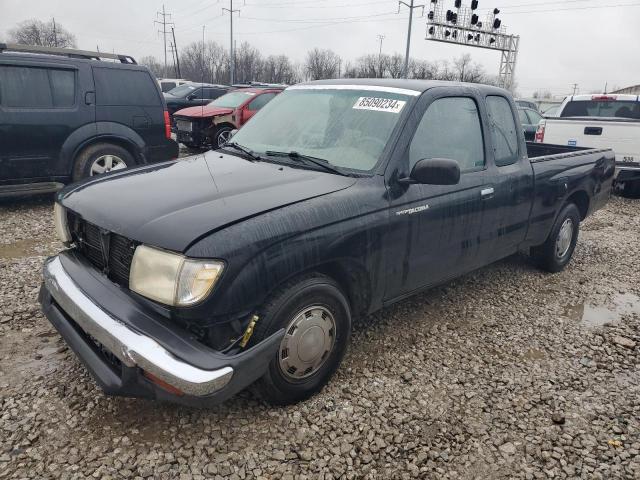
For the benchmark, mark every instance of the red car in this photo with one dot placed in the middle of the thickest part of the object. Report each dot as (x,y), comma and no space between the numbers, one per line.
(210,126)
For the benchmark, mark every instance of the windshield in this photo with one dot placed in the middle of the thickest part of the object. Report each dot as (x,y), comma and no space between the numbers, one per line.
(602,108)
(346,127)
(182,90)
(232,100)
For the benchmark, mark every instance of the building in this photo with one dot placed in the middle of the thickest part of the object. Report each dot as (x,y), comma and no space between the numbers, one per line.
(635,90)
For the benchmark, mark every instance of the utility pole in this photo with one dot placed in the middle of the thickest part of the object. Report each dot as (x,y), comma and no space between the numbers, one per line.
(231,53)
(575,88)
(175,46)
(381,38)
(411,6)
(55,33)
(164,32)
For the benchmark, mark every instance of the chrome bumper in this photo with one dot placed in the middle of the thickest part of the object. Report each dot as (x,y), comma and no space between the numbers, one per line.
(130,347)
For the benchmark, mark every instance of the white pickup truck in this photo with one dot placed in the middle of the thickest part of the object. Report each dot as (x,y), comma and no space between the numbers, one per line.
(600,121)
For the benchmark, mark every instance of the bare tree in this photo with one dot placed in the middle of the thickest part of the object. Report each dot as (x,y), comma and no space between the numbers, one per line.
(36,32)
(321,64)
(208,62)
(542,94)
(155,66)
(249,64)
(279,69)
(395,64)
(466,70)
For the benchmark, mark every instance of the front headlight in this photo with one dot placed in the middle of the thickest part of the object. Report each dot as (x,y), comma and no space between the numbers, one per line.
(60,221)
(171,278)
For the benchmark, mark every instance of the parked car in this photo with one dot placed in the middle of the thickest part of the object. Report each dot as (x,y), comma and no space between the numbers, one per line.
(167,84)
(552,111)
(248,264)
(529,119)
(527,104)
(193,94)
(66,115)
(601,121)
(211,125)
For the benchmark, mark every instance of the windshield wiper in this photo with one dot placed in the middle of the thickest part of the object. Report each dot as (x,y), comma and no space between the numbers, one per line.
(250,153)
(320,162)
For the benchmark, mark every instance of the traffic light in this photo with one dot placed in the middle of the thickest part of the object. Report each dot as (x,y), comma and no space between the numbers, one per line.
(430,15)
(431,30)
(454,18)
(474,19)
(474,4)
(496,23)
(458,3)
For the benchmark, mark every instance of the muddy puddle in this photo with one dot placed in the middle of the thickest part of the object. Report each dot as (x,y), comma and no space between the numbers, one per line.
(610,311)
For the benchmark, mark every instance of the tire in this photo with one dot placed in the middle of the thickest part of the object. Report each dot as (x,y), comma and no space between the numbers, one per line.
(220,136)
(313,304)
(554,254)
(90,160)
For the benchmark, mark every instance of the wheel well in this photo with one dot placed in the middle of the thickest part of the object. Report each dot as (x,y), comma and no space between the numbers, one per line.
(135,153)
(225,124)
(354,282)
(581,200)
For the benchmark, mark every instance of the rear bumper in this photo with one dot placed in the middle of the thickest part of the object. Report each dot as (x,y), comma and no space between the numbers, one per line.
(627,173)
(161,153)
(118,349)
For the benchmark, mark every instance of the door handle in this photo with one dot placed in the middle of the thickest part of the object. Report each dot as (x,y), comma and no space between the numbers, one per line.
(487,192)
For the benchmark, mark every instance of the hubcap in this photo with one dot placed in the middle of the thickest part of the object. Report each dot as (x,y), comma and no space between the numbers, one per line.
(223,137)
(307,343)
(107,163)
(563,242)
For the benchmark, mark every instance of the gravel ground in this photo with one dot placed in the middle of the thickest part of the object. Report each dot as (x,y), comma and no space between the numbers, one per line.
(505,373)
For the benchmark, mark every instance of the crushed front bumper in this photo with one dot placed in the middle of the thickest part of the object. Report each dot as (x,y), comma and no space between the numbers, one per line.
(119,339)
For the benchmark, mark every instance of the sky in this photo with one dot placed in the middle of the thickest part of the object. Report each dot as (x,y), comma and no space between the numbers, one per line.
(563,42)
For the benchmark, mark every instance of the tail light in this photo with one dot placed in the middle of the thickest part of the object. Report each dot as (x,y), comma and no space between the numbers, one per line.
(540,132)
(603,98)
(167,125)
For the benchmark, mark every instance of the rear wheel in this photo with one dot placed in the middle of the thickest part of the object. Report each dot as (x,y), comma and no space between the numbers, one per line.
(101,158)
(554,254)
(316,317)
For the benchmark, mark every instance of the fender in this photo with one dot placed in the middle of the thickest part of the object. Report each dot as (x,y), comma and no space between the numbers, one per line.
(93,132)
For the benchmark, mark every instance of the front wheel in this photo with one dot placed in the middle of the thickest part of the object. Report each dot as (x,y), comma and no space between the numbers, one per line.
(554,254)
(317,321)
(220,137)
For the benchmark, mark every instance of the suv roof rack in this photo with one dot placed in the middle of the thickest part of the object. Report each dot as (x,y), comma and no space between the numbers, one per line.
(66,52)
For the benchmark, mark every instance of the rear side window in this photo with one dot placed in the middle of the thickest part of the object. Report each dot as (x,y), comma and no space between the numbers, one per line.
(450,128)
(166,86)
(534,117)
(33,87)
(604,108)
(503,131)
(116,86)
(261,101)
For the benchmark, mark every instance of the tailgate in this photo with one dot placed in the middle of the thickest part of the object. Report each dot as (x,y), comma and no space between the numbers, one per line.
(622,136)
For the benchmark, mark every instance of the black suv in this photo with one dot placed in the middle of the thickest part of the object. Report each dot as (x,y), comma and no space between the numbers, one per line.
(67,115)
(193,95)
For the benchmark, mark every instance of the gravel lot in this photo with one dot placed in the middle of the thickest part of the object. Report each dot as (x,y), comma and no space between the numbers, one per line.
(505,373)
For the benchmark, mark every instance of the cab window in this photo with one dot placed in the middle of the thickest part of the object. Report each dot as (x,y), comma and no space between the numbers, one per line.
(502,126)
(450,128)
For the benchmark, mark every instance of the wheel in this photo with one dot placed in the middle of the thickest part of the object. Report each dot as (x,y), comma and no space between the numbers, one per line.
(316,317)
(220,137)
(101,158)
(554,254)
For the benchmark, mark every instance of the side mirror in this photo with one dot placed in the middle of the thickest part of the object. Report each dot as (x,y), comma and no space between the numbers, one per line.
(434,171)
(191,96)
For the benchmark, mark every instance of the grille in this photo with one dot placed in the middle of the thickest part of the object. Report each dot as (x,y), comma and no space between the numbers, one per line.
(92,242)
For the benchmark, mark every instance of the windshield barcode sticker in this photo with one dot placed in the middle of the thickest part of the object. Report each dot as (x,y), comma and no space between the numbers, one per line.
(379,104)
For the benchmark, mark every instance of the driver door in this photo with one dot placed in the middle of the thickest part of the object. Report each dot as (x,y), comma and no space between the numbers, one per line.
(435,229)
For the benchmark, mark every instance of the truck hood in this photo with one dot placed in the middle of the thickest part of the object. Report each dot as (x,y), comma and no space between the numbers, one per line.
(203,112)
(173,204)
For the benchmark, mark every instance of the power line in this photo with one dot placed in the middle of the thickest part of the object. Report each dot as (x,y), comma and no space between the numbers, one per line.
(164,31)
(572,8)
(319,20)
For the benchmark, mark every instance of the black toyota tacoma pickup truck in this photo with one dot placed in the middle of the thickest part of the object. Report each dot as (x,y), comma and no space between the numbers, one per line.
(189,280)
